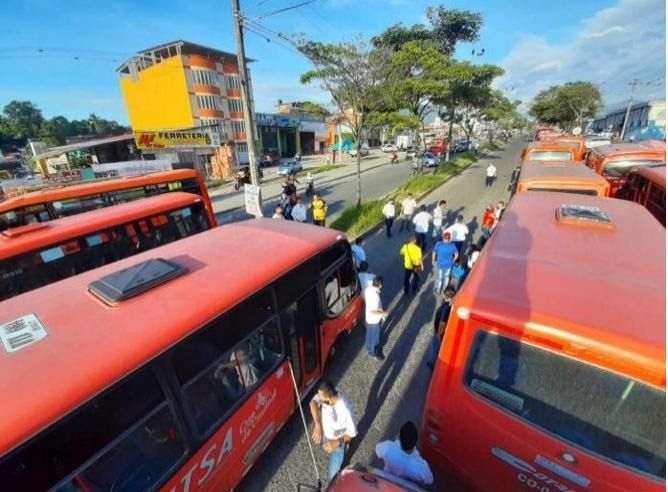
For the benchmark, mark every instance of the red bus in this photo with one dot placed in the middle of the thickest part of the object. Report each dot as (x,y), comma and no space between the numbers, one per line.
(552,373)
(56,202)
(41,253)
(647,186)
(171,370)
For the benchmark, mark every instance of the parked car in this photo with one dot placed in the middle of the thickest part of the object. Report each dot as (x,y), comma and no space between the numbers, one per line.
(389,148)
(364,151)
(410,153)
(437,150)
(461,145)
(430,160)
(290,168)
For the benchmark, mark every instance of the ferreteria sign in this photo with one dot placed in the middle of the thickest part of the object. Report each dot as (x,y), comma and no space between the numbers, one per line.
(162,140)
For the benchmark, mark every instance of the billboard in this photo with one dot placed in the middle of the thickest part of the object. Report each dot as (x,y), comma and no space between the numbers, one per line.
(170,139)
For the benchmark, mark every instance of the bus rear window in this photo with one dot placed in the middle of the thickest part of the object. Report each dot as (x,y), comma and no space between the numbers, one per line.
(566,190)
(622,168)
(550,156)
(584,405)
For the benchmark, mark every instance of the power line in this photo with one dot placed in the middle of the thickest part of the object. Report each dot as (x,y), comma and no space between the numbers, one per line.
(284,9)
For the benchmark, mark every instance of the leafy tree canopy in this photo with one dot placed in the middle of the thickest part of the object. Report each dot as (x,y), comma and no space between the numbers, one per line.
(568,105)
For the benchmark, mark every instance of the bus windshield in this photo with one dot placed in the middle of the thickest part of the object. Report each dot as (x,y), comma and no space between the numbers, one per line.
(549,155)
(623,167)
(50,263)
(590,407)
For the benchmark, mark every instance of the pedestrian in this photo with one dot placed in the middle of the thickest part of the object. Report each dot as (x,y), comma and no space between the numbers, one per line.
(473,255)
(365,276)
(299,211)
(333,424)
(442,258)
(440,323)
(408,207)
(421,222)
(374,315)
(289,205)
(414,164)
(487,224)
(498,212)
(358,252)
(319,207)
(438,214)
(402,459)
(458,233)
(412,256)
(389,212)
(278,213)
(490,175)
(457,274)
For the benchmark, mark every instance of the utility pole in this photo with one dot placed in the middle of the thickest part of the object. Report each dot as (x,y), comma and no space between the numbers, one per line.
(249,117)
(633,85)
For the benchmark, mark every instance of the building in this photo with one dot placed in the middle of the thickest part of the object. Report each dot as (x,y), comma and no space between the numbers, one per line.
(181,85)
(647,121)
(287,135)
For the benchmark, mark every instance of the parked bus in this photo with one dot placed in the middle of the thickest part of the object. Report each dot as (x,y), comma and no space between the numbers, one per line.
(171,370)
(548,150)
(647,186)
(565,177)
(56,202)
(574,141)
(614,162)
(41,253)
(552,373)
(545,133)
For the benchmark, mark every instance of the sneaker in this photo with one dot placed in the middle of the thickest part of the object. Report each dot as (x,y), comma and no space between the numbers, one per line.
(378,357)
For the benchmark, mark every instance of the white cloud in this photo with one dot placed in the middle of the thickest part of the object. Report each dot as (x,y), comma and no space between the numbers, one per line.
(612,47)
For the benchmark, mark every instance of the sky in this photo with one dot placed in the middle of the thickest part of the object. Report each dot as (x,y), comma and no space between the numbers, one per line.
(62,54)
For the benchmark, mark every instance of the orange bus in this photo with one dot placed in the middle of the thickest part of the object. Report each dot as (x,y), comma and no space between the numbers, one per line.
(548,150)
(171,370)
(614,162)
(562,177)
(552,373)
(578,143)
(647,186)
(41,253)
(545,133)
(55,202)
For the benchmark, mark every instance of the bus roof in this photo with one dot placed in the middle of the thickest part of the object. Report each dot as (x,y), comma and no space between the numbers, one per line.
(654,174)
(85,353)
(551,144)
(32,236)
(62,192)
(650,149)
(574,171)
(560,162)
(597,293)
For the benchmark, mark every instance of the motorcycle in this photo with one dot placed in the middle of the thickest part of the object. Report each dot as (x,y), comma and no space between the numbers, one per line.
(395,158)
(242,177)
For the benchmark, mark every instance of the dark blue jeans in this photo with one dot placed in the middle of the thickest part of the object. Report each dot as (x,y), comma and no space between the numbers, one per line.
(388,226)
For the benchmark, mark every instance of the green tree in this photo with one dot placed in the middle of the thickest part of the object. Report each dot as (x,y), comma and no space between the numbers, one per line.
(499,111)
(568,105)
(394,37)
(309,107)
(357,78)
(54,131)
(452,26)
(23,118)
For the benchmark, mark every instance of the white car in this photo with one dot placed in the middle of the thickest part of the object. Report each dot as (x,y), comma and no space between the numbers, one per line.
(389,148)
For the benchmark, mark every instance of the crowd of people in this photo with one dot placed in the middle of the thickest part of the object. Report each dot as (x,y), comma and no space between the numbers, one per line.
(291,206)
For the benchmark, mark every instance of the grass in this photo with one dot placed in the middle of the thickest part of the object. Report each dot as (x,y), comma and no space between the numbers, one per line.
(321,169)
(353,221)
(493,145)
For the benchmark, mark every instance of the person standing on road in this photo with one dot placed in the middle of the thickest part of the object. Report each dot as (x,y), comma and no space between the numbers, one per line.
(421,222)
(488,220)
(458,233)
(438,215)
(299,211)
(278,213)
(442,258)
(358,252)
(440,323)
(365,276)
(412,257)
(319,207)
(333,424)
(402,459)
(374,315)
(490,175)
(408,207)
(389,212)
(498,212)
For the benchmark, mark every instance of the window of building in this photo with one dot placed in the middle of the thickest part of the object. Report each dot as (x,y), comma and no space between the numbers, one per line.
(205,77)
(238,126)
(235,105)
(232,82)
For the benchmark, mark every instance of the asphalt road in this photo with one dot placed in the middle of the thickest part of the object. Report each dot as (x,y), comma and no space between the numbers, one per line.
(384,394)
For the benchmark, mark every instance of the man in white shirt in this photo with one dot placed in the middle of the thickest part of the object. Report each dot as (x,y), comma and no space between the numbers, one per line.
(402,458)
(374,315)
(334,425)
(389,212)
(421,221)
(458,232)
(408,207)
(365,276)
(299,211)
(438,216)
(490,175)
(358,252)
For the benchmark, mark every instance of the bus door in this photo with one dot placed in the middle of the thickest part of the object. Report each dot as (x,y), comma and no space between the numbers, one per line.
(300,325)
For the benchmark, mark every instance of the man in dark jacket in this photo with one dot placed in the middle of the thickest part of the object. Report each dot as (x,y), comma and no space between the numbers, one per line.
(440,322)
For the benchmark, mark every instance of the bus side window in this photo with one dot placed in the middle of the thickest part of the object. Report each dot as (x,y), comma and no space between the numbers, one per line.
(128,195)
(129,429)
(221,363)
(656,202)
(341,286)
